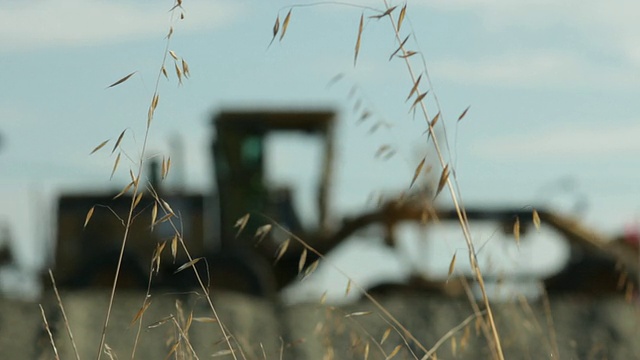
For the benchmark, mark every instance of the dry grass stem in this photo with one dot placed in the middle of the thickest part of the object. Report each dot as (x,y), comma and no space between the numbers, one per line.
(377,304)
(130,215)
(185,337)
(451,333)
(402,336)
(524,304)
(64,315)
(46,326)
(456,203)
(480,323)
(551,327)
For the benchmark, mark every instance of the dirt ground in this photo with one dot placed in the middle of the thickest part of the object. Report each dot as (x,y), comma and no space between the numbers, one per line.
(575,328)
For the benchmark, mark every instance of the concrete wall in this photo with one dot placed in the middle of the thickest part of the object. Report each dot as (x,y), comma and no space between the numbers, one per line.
(581,328)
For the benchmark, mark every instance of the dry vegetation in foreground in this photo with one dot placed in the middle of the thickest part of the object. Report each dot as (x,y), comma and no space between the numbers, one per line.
(245,328)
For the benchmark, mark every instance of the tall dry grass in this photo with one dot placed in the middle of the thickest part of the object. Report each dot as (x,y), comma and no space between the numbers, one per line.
(162,211)
(420,88)
(448,178)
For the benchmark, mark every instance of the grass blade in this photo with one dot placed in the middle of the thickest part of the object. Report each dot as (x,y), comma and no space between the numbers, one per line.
(452,266)
(115,166)
(401,17)
(302,261)
(185,68)
(285,24)
(140,312)
(276,28)
(281,250)
(102,144)
(262,232)
(154,214)
(359,313)
(124,190)
(121,80)
(188,264)
(394,352)
(357,50)
(536,219)
(443,179)
(241,223)
(464,113)
(399,47)
(414,89)
(387,12)
(417,172)
(118,141)
(418,100)
(88,217)
(385,335)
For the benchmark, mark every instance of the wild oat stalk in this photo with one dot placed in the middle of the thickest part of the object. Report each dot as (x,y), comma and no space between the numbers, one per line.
(460,210)
(48,329)
(445,179)
(190,263)
(450,333)
(64,315)
(136,183)
(403,330)
(136,193)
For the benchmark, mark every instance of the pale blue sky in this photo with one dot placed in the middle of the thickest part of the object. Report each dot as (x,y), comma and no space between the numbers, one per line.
(553,89)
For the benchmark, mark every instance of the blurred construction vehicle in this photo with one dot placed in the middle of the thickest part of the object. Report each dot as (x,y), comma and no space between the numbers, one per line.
(226,228)
(88,256)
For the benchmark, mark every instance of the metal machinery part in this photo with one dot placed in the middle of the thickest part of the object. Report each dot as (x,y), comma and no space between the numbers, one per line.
(231,258)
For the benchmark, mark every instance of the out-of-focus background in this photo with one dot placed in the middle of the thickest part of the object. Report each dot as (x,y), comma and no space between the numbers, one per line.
(551,86)
(288,127)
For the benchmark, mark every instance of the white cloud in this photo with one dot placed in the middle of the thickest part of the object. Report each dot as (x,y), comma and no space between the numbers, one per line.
(511,69)
(568,40)
(30,25)
(542,13)
(567,142)
(547,68)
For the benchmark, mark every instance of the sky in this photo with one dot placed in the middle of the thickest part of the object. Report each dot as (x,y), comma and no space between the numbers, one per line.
(552,89)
